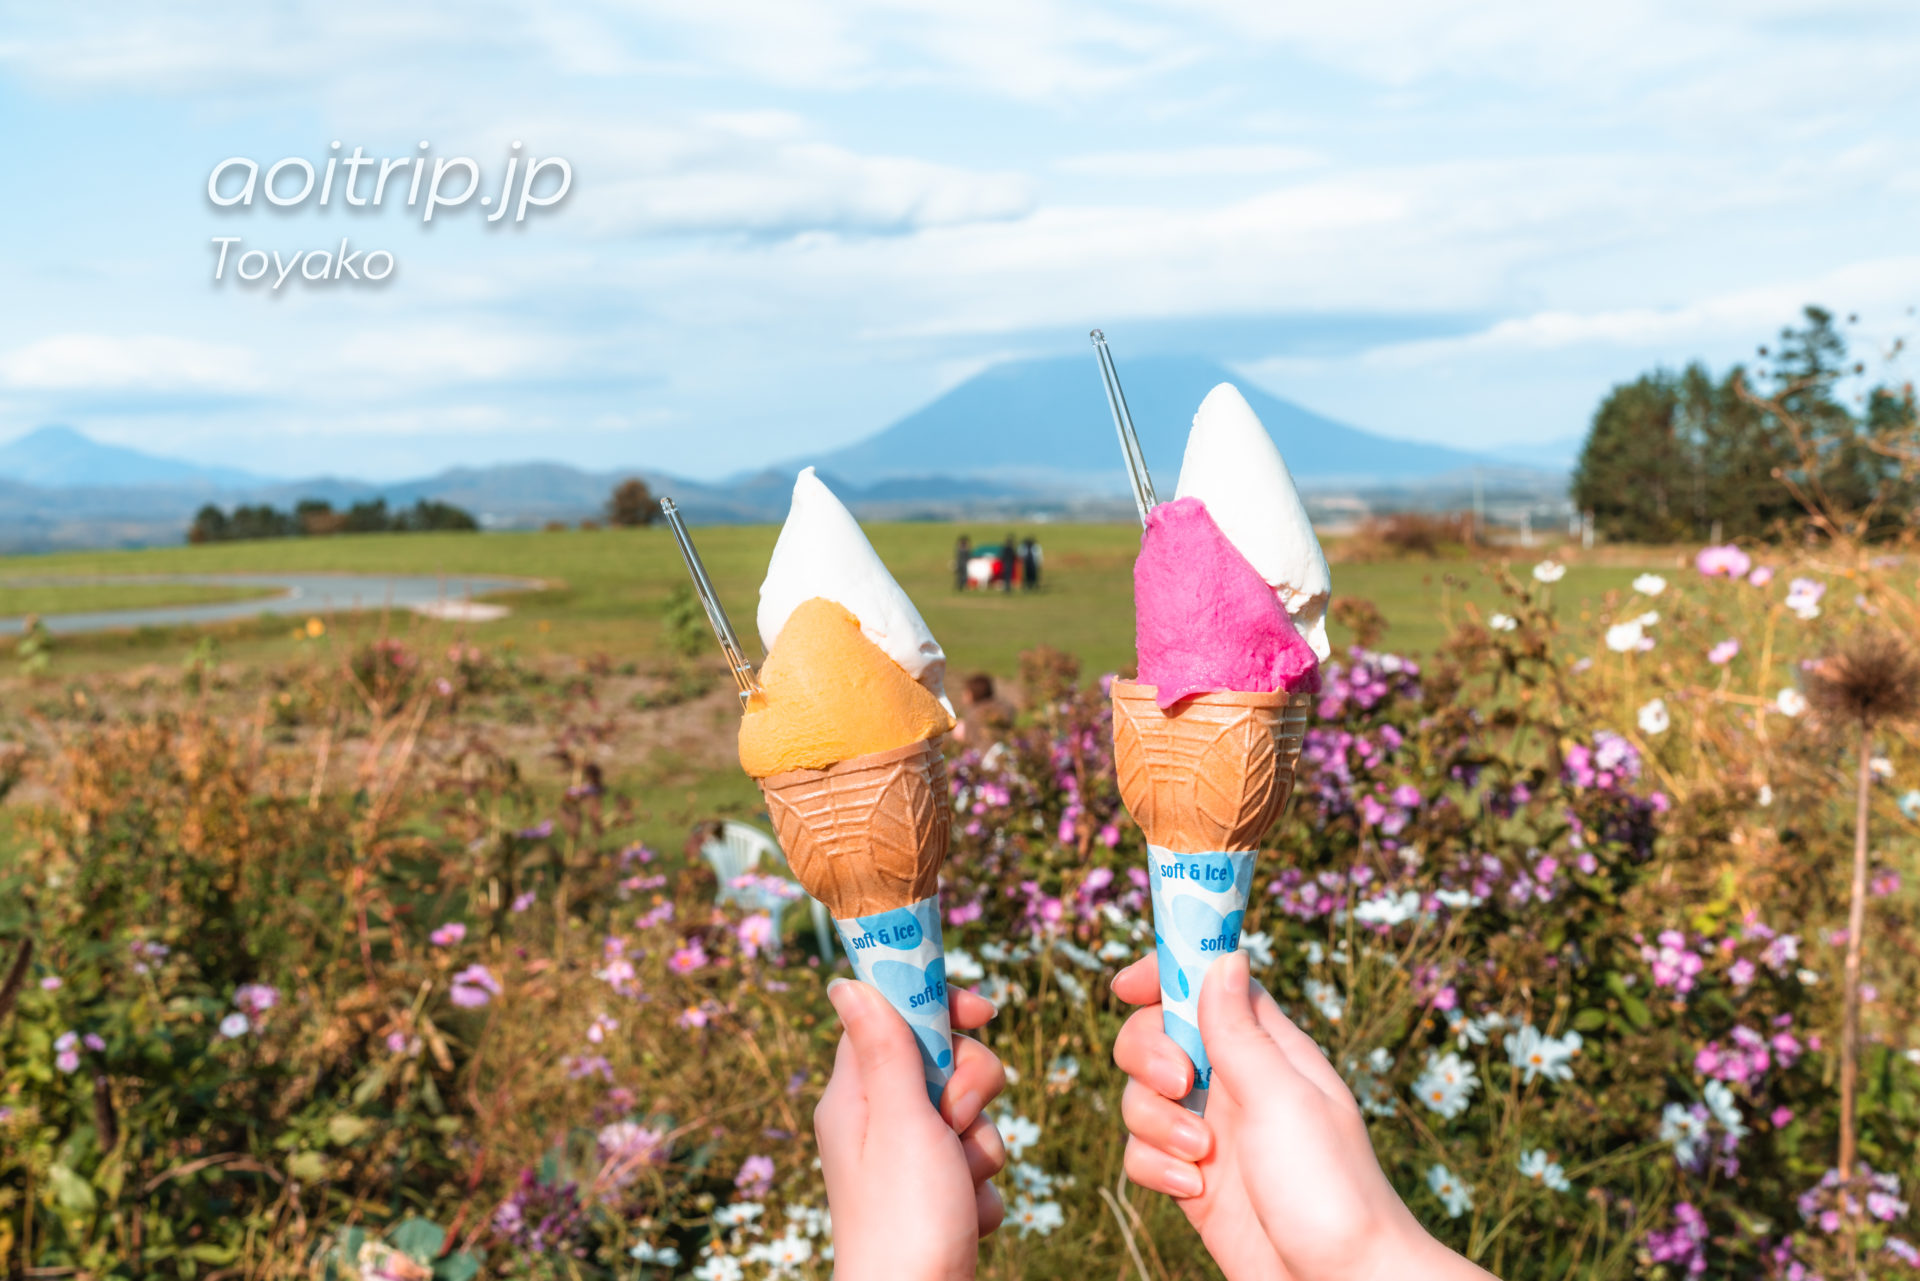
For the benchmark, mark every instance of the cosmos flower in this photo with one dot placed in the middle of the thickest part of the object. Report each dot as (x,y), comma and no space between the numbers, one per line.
(474,986)
(1453,1192)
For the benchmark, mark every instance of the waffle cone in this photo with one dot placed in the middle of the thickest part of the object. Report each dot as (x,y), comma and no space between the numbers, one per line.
(869,834)
(1214,772)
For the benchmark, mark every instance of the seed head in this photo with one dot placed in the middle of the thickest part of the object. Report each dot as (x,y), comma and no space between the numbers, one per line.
(1871,679)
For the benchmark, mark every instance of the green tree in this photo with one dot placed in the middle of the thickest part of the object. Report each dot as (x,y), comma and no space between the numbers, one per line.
(209,526)
(632,505)
(1638,471)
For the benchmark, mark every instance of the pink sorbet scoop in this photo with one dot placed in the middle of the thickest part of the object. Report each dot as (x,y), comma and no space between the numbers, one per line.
(1204,618)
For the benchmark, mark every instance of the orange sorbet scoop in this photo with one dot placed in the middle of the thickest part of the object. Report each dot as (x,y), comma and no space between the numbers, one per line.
(828,694)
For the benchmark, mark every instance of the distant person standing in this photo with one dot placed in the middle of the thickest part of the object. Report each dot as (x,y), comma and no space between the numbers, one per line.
(962,556)
(1009,561)
(1030,564)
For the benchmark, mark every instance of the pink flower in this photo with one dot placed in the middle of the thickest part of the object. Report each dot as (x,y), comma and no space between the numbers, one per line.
(687,959)
(1761,576)
(51,983)
(756,934)
(756,1176)
(474,986)
(449,934)
(583,1066)
(1722,654)
(523,901)
(67,1052)
(1727,561)
(1741,972)
(693,1017)
(1782,1118)
(256,998)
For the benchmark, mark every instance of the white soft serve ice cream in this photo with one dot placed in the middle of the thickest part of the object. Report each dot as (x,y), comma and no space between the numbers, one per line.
(822,552)
(1234,468)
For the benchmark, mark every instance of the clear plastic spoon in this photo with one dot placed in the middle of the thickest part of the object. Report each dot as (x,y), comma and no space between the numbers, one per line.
(710,601)
(1143,497)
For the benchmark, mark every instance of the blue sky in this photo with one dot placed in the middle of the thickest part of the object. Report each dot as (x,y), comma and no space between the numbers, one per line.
(793,221)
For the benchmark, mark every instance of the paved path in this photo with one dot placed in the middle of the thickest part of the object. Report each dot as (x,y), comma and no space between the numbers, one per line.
(301,594)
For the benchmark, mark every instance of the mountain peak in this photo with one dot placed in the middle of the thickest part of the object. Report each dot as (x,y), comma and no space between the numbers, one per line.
(1044,422)
(58,455)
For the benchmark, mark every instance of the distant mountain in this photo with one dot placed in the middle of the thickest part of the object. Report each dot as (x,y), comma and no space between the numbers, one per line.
(1558,454)
(1044,424)
(60,456)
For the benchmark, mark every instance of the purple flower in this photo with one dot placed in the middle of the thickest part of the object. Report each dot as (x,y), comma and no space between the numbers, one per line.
(688,958)
(449,934)
(67,1052)
(94,1041)
(1725,561)
(582,1066)
(625,1147)
(474,986)
(756,935)
(756,1176)
(51,983)
(1722,654)
(523,901)
(255,999)
(1685,1243)
(538,832)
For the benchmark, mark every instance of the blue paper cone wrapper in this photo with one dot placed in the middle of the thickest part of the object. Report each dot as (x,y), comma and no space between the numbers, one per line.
(900,952)
(1199,902)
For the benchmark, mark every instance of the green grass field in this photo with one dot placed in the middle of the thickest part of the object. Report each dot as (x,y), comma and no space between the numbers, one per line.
(86,598)
(606,588)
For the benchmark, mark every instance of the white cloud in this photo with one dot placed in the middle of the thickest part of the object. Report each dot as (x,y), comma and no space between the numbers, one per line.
(429,355)
(1236,160)
(101,362)
(1881,288)
(786,186)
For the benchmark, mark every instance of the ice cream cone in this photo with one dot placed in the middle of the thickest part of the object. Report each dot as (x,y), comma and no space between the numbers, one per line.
(1213,772)
(867,837)
(1206,780)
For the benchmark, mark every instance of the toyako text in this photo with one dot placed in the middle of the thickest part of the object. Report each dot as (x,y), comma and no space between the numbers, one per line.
(367,182)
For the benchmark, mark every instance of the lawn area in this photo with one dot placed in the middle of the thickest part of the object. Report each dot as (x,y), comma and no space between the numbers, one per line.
(607,588)
(85,598)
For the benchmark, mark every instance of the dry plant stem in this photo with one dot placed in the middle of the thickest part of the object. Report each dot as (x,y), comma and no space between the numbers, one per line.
(1856,925)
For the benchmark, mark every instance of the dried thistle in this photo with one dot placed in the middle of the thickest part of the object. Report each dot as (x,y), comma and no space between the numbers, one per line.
(1872,679)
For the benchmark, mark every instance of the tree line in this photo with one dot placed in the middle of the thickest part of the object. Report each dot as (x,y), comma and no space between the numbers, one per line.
(1757,452)
(316,517)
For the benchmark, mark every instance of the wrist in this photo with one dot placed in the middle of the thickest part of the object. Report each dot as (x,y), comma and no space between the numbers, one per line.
(1404,1249)
(904,1264)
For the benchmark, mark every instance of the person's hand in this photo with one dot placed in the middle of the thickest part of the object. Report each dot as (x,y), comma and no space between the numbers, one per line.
(907,1186)
(1279,1178)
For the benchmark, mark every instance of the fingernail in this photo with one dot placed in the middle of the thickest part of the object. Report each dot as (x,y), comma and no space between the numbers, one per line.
(1190,1137)
(1184,1182)
(1170,1077)
(838,991)
(961,1111)
(1234,975)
